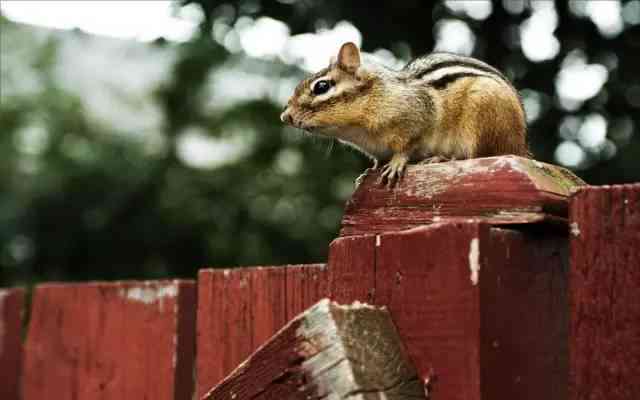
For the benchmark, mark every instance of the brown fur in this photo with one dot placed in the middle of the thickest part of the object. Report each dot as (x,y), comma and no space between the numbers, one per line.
(391,115)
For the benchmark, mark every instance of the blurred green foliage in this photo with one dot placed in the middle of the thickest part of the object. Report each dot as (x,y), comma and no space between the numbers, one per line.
(94,204)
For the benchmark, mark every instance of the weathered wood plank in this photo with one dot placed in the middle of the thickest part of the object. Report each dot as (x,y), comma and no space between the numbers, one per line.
(11,313)
(239,309)
(524,316)
(330,351)
(426,277)
(604,335)
(121,340)
(305,286)
(352,269)
(269,303)
(481,310)
(499,190)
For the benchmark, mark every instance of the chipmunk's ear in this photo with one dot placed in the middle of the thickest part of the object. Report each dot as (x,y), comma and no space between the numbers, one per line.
(349,57)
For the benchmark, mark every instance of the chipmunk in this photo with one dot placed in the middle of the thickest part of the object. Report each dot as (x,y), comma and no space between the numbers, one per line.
(438,107)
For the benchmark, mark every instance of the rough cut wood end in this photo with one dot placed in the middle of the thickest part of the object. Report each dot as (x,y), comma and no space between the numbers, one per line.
(504,190)
(329,351)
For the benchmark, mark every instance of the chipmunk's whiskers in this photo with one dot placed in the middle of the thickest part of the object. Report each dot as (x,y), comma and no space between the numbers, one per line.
(329,148)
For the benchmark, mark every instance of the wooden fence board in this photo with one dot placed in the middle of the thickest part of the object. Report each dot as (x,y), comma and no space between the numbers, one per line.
(321,354)
(481,310)
(352,269)
(524,323)
(11,313)
(604,344)
(503,190)
(121,340)
(269,303)
(238,328)
(240,309)
(424,276)
(304,287)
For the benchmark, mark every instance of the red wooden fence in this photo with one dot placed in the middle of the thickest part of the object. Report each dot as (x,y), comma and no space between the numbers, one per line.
(239,309)
(479,324)
(546,307)
(604,345)
(11,310)
(124,340)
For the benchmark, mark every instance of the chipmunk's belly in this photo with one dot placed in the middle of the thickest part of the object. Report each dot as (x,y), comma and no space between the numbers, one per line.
(444,144)
(363,141)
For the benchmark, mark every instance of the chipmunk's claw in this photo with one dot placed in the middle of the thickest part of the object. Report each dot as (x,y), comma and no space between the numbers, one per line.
(436,159)
(392,172)
(373,168)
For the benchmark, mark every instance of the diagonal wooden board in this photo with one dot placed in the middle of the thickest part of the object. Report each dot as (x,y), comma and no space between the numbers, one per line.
(330,352)
(503,190)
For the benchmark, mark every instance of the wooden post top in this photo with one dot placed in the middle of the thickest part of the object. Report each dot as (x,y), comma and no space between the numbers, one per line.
(499,190)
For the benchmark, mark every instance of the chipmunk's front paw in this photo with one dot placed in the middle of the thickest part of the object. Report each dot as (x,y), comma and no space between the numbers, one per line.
(392,171)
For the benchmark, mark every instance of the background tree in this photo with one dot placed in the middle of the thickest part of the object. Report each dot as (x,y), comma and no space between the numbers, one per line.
(82,201)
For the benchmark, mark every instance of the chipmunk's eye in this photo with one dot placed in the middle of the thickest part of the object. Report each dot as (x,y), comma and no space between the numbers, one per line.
(321,87)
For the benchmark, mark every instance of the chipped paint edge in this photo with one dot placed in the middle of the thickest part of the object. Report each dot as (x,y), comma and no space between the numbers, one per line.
(150,292)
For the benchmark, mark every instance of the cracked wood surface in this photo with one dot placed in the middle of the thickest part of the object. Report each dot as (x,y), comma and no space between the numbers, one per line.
(329,352)
(604,335)
(506,190)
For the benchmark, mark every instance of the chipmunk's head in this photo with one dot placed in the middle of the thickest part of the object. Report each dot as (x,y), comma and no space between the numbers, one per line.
(331,98)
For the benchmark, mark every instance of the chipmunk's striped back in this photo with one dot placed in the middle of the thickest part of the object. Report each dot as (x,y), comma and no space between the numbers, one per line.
(440,69)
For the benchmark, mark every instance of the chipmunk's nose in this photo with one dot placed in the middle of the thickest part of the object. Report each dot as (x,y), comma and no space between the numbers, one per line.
(286,116)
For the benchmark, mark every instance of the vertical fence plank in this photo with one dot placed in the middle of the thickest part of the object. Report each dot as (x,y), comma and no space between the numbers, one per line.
(269,302)
(11,312)
(237,339)
(604,344)
(111,341)
(524,320)
(352,266)
(425,277)
(481,310)
(306,285)
(239,309)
